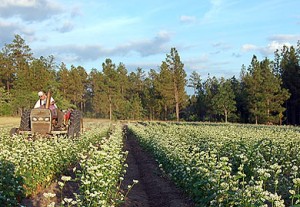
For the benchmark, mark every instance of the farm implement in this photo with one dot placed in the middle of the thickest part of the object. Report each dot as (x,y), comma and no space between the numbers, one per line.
(43,121)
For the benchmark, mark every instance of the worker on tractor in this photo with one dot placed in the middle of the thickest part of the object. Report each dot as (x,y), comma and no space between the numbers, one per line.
(47,119)
(41,103)
(57,115)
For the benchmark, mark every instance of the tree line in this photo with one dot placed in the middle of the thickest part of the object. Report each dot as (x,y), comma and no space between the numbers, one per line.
(267,91)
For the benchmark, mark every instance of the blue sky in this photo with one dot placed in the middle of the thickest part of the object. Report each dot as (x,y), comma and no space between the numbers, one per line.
(211,36)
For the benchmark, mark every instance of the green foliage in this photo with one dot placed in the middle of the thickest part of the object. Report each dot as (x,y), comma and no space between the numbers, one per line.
(227,164)
(26,166)
(265,94)
(11,189)
(178,81)
(288,69)
(194,81)
(5,103)
(267,91)
(224,100)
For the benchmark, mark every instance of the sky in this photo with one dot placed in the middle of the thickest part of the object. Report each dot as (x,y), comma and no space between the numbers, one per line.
(214,37)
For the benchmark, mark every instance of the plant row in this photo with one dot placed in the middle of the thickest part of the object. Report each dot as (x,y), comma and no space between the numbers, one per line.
(101,171)
(99,174)
(227,165)
(27,166)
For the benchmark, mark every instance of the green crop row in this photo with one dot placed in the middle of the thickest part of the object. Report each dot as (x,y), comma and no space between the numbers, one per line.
(227,165)
(101,172)
(27,165)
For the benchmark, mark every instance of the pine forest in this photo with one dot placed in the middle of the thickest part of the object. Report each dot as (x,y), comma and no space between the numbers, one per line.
(265,92)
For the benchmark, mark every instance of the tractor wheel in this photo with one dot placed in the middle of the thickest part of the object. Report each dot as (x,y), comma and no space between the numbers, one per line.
(75,124)
(25,121)
(14,131)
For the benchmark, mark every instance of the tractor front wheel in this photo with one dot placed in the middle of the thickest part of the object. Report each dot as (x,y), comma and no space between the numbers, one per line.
(25,121)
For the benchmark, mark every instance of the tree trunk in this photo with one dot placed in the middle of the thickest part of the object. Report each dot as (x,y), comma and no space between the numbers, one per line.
(176,101)
(166,111)
(226,115)
(268,111)
(110,107)
(7,86)
(256,117)
(177,111)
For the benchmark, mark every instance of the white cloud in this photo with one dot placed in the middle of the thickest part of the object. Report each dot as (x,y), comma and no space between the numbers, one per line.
(80,53)
(265,50)
(29,10)
(20,3)
(187,19)
(12,28)
(145,47)
(221,45)
(285,37)
(272,47)
(66,27)
(248,47)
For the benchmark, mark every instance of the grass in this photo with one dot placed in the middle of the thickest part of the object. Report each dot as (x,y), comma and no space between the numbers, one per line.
(15,121)
(9,121)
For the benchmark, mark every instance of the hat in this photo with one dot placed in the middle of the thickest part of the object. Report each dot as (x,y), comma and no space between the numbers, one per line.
(41,93)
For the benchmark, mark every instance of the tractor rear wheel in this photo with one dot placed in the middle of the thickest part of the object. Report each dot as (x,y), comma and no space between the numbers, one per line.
(25,121)
(14,131)
(75,124)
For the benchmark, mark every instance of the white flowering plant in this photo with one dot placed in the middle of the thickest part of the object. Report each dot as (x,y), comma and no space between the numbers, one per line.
(26,165)
(227,164)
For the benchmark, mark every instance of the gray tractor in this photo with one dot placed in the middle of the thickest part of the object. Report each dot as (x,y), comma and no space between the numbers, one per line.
(41,121)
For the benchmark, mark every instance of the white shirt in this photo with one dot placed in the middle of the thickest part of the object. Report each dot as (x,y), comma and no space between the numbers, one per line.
(40,103)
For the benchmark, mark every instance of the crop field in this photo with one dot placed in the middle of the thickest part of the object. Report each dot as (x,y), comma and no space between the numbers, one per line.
(214,164)
(227,165)
(26,166)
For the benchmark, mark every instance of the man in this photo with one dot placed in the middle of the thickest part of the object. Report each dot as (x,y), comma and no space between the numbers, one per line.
(41,103)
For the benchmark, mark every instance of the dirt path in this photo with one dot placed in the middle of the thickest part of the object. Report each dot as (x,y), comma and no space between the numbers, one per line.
(39,200)
(153,189)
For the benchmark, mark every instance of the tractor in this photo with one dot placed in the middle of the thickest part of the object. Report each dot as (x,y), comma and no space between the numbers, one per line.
(43,121)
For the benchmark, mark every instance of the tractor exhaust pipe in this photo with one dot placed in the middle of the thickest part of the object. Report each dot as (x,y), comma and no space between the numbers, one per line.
(48,99)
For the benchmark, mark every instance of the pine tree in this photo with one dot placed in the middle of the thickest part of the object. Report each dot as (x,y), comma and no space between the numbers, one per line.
(254,81)
(224,100)
(240,94)
(42,74)
(122,103)
(64,80)
(99,100)
(265,94)
(164,85)
(75,91)
(20,55)
(110,85)
(178,75)
(210,89)
(152,95)
(194,81)
(7,71)
(192,112)
(288,68)
(137,92)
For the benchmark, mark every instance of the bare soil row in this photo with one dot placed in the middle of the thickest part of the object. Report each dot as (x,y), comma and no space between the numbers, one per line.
(153,189)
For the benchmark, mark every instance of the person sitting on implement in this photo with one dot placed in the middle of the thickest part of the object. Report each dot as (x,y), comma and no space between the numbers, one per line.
(41,103)
(52,107)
